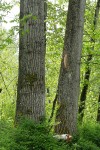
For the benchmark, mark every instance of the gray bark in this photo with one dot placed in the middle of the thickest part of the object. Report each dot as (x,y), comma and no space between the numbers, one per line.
(31,79)
(69,78)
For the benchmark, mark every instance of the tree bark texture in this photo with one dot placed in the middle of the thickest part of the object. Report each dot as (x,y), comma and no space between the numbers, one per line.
(88,69)
(32,44)
(69,78)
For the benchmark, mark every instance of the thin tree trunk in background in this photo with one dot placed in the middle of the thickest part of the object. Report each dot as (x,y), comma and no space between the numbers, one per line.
(32,45)
(69,78)
(88,69)
(98,113)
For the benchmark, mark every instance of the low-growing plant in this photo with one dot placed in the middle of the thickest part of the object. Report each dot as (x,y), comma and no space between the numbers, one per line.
(28,135)
(88,137)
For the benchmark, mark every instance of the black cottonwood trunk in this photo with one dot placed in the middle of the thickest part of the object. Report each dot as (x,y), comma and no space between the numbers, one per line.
(69,78)
(32,44)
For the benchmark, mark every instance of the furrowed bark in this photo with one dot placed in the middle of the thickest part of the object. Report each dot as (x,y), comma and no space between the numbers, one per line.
(69,78)
(32,44)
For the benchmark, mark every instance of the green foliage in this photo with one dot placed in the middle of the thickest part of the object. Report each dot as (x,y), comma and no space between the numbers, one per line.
(56,20)
(29,136)
(5,39)
(4,9)
(91,132)
(88,137)
(32,136)
(8,74)
(27,17)
(6,130)
(84,144)
(91,46)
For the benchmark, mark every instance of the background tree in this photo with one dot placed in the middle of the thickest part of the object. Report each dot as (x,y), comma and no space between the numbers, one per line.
(8,65)
(8,74)
(98,112)
(31,78)
(55,38)
(88,67)
(68,84)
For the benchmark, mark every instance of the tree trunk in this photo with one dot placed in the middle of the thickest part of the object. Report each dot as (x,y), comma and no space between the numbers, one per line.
(69,78)
(85,89)
(88,69)
(31,79)
(98,113)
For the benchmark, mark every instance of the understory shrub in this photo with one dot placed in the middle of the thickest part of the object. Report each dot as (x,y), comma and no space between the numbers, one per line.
(88,137)
(6,134)
(28,135)
(91,132)
(32,136)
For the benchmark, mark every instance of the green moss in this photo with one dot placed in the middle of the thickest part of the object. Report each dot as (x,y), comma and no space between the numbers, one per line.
(31,78)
